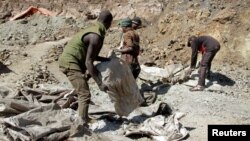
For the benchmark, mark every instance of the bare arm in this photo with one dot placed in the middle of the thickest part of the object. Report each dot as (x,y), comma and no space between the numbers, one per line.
(126,50)
(128,41)
(94,46)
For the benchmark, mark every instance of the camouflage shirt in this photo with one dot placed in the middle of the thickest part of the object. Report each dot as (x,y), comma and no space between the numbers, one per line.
(131,39)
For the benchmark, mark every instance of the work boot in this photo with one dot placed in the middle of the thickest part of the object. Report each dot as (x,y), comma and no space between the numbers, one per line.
(85,116)
(79,128)
(91,120)
(83,112)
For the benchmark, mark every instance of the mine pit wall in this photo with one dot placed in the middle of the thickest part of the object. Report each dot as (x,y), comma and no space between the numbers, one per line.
(226,20)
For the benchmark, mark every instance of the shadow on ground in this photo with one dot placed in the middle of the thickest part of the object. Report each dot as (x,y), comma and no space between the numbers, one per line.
(111,123)
(221,79)
(157,87)
(4,69)
(149,91)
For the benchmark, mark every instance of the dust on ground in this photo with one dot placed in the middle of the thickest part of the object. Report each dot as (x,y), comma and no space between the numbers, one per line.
(30,48)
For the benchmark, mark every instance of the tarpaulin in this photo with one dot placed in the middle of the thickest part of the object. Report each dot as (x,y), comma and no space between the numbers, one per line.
(30,11)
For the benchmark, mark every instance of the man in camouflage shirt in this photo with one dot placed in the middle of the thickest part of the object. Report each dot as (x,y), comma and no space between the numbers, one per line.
(130,46)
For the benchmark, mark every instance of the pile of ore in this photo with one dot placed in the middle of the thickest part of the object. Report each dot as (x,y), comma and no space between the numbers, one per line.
(39,75)
(54,53)
(4,55)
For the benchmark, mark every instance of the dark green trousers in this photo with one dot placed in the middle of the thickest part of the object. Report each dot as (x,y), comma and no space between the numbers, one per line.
(81,87)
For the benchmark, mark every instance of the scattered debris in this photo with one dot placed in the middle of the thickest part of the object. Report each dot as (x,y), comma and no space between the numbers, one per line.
(39,75)
(54,53)
(169,24)
(172,73)
(224,16)
(160,128)
(4,55)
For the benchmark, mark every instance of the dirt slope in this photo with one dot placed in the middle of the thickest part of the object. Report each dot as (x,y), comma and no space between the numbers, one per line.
(38,41)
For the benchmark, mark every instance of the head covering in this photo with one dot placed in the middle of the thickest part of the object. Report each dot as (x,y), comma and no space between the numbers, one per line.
(127,22)
(137,21)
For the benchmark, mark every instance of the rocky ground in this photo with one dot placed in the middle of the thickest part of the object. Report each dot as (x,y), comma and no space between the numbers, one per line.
(30,47)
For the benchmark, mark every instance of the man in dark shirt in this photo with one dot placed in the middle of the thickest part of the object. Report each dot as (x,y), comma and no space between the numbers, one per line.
(208,46)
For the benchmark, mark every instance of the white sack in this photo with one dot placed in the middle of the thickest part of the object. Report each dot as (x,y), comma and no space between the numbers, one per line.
(123,90)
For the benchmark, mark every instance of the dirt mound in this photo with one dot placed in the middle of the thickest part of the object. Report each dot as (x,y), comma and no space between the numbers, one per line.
(179,20)
(169,24)
(37,75)
(30,48)
(37,29)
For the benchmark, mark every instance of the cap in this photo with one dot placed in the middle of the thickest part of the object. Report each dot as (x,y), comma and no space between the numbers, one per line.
(137,21)
(127,22)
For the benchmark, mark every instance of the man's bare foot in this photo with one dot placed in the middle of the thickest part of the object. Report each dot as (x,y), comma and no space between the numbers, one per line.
(197,88)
